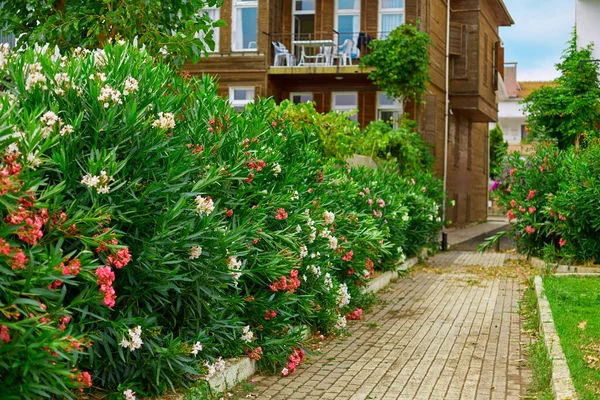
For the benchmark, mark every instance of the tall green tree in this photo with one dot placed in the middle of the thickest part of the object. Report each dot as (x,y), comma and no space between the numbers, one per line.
(569,110)
(401,63)
(165,27)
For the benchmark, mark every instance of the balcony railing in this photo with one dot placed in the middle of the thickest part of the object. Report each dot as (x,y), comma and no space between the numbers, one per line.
(319,49)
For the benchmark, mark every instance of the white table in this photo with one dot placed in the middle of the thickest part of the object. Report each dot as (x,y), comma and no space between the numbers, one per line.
(315,44)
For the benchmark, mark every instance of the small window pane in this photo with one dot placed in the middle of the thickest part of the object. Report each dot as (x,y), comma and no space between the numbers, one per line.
(242,94)
(392,4)
(386,101)
(305,5)
(348,4)
(301,98)
(389,22)
(346,100)
(247,27)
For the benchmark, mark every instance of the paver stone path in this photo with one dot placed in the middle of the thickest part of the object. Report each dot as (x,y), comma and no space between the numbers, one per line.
(442,333)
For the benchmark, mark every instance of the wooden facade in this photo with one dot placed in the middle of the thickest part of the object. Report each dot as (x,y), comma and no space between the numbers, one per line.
(475,62)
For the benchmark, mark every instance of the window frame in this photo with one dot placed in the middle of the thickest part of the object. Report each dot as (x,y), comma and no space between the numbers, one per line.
(241,103)
(216,31)
(345,108)
(397,107)
(389,11)
(235,6)
(292,94)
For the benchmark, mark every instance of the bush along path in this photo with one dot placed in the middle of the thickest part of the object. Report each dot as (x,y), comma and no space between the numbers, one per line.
(149,232)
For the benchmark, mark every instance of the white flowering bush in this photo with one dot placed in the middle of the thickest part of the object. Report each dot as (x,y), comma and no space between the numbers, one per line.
(201,233)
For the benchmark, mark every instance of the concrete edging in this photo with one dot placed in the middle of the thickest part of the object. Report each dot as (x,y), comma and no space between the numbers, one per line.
(240,369)
(562,384)
(564,269)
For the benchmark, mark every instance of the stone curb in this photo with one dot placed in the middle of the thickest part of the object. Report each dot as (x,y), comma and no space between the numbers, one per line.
(564,269)
(240,369)
(562,384)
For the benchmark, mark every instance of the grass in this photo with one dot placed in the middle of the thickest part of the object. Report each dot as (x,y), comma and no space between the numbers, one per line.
(575,304)
(538,361)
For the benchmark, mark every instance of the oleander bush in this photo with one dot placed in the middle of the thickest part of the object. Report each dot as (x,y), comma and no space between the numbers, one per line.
(149,231)
(553,198)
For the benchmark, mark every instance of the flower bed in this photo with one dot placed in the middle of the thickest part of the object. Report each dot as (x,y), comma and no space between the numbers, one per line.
(149,231)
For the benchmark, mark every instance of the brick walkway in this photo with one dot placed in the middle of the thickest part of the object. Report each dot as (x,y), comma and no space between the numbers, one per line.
(447,335)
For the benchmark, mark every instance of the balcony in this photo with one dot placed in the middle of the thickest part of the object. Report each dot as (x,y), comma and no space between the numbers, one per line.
(318,53)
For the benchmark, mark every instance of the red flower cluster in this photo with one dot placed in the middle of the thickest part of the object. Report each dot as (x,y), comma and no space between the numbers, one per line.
(284,284)
(249,179)
(255,354)
(229,213)
(197,148)
(348,256)
(355,315)
(18,258)
(270,314)
(529,230)
(12,168)
(281,214)
(256,165)
(106,277)
(294,360)
(562,242)
(33,221)
(510,215)
(531,194)
(84,378)
(4,335)
(73,267)
(120,259)
(321,176)
(64,321)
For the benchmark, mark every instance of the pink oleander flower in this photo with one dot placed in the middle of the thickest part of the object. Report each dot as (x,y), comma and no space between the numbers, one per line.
(513,203)
(381,203)
(370,202)
(510,215)
(106,277)
(529,230)
(532,210)
(285,372)
(4,334)
(531,194)
(121,258)
(281,214)
(85,379)
(522,209)
(348,256)
(562,242)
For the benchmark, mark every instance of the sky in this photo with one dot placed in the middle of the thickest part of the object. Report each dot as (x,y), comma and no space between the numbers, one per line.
(538,37)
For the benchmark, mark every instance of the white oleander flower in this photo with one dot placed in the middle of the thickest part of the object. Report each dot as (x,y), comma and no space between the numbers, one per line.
(195,252)
(164,121)
(131,86)
(341,323)
(197,348)
(328,217)
(247,334)
(343,297)
(204,205)
(129,394)
(328,282)
(135,339)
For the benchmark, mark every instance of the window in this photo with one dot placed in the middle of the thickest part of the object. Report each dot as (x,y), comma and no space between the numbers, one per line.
(214,14)
(347,20)
(244,25)
(239,97)
(391,16)
(388,110)
(524,131)
(303,16)
(344,102)
(299,98)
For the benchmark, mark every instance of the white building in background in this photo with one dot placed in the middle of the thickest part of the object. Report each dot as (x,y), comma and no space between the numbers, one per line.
(511,117)
(587,20)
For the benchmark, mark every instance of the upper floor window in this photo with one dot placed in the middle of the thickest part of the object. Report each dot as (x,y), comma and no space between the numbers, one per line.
(303,16)
(214,14)
(239,97)
(304,6)
(389,110)
(244,25)
(391,16)
(344,102)
(347,20)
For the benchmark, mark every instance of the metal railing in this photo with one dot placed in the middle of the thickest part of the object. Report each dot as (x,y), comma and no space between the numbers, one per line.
(331,48)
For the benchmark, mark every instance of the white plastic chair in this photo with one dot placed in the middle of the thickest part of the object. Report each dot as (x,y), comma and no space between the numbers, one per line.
(281,53)
(345,52)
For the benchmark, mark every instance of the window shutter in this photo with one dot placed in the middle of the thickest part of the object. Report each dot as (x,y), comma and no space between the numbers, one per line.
(430,116)
(456,38)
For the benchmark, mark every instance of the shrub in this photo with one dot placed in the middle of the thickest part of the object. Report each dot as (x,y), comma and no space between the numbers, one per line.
(220,232)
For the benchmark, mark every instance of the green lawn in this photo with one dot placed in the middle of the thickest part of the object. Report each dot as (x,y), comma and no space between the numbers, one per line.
(575,303)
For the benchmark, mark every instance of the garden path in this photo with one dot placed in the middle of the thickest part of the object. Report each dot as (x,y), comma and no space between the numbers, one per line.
(449,330)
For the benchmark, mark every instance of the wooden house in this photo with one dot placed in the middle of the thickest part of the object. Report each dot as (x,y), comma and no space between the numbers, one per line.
(282,49)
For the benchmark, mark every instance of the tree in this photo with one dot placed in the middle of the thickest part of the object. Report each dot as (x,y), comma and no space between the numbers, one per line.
(569,110)
(401,63)
(163,26)
(498,151)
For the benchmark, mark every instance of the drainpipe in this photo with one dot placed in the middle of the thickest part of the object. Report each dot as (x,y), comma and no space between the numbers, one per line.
(446,123)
